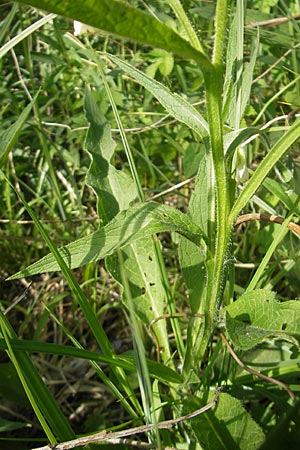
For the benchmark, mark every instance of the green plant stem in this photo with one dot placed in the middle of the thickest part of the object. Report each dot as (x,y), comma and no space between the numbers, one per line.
(213,85)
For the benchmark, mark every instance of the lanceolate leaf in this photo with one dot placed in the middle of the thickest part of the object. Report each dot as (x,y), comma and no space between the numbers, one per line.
(176,105)
(138,222)
(119,18)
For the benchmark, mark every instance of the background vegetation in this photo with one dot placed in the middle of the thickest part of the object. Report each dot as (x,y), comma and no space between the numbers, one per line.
(149,333)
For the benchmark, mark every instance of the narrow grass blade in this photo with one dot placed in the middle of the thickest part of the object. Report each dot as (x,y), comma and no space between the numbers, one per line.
(156,370)
(27,32)
(281,232)
(26,385)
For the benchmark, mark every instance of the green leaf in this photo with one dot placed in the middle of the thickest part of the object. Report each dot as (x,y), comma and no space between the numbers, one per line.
(138,222)
(146,288)
(122,19)
(115,189)
(9,137)
(176,105)
(201,211)
(227,426)
(193,263)
(257,316)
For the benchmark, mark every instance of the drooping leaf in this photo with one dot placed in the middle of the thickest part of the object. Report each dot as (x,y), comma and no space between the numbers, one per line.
(122,19)
(138,222)
(257,316)
(227,426)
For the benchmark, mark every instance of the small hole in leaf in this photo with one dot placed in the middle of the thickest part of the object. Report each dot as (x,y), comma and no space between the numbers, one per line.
(283,326)
(150,258)
(143,290)
(151,284)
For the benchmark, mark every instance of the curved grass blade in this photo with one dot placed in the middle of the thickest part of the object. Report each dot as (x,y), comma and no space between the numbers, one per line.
(27,32)
(156,370)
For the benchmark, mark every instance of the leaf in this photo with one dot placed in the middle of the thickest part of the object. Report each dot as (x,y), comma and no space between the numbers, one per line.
(193,262)
(9,137)
(176,105)
(138,222)
(115,189)
(227,426)
(257,316)
(124,20)
(201,211)
(146,287)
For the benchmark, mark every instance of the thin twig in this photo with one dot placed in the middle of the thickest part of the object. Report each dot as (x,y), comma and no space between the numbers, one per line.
(272,22)
(255,373)
(116,437)
(268,217)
